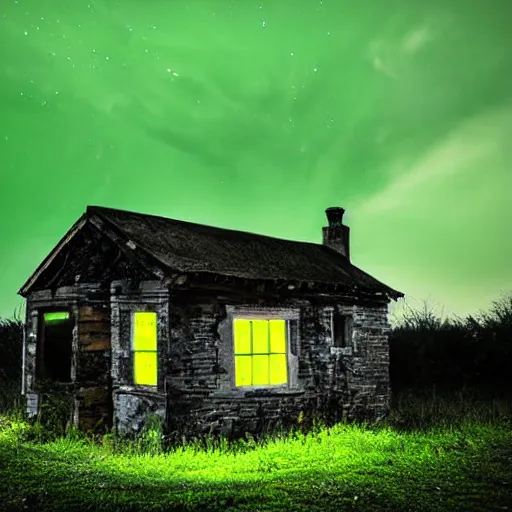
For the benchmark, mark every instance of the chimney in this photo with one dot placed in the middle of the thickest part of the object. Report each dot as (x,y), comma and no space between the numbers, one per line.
(336,234)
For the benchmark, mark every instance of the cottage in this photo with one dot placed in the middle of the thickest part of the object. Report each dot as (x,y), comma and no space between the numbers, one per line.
(213,330)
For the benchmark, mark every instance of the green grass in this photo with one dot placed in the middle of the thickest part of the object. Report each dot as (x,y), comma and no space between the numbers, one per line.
(463,465)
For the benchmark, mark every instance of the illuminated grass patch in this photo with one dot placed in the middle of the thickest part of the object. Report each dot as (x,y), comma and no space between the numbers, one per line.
(343,468)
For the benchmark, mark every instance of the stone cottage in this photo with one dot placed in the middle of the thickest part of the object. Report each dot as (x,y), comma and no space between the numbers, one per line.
(213,330)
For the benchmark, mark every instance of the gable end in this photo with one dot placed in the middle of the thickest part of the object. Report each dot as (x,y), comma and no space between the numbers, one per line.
(86,255)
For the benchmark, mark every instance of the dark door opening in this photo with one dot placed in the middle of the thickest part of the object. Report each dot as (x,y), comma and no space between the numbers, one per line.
(55,346)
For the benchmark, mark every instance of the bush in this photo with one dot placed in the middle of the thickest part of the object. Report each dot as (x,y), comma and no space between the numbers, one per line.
(11,343)
(453,353)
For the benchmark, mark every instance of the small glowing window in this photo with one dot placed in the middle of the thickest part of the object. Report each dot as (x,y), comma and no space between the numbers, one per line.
(144,348)
(58,316)
(260,352)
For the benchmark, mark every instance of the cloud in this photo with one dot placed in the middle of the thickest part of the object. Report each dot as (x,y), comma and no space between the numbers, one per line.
(381,52)
(378,65)
(191,144)
(375,52)
(416,39)
(114,101)
(480,138)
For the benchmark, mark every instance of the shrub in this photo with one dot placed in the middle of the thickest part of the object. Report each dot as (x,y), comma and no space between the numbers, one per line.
(11,343)
(452,353)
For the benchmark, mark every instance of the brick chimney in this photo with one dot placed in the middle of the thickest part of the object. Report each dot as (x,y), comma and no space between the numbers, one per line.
(336,234)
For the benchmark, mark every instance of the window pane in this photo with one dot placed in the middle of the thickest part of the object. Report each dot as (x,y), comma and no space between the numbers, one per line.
(278,372)
(243,370)
(144,331)
(58,316)
(277,336)
(260,370)
(242,330)
(145,368)
(259,336)
(339,324)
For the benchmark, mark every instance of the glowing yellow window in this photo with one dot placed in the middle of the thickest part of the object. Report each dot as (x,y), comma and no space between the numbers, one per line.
(144,348)
(260,352)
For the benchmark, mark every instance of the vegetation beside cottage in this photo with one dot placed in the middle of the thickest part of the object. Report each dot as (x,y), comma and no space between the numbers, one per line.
(445,446)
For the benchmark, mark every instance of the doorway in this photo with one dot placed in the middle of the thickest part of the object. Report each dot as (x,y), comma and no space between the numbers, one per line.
(55,346)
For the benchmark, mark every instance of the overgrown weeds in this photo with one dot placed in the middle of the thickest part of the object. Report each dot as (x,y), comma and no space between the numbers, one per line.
(438,467)
(411,412)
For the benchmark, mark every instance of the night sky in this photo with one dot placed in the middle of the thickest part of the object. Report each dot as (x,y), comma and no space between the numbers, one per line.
(257,115)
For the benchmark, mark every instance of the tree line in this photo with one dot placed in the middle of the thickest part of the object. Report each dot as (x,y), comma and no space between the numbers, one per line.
(453,353)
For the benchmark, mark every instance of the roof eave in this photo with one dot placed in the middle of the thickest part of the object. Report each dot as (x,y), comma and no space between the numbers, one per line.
(384,292)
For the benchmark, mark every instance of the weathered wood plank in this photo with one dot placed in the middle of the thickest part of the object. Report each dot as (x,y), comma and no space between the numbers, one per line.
(93,327)
(86,423)
(89,314)
(92,397)
(91,340)
(92,345)
(92,366)
(94,408)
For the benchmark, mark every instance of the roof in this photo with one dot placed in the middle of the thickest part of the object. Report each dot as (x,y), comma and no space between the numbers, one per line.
(187,247)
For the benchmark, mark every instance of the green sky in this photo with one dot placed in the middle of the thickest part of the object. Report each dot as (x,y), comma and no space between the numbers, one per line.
(257,115)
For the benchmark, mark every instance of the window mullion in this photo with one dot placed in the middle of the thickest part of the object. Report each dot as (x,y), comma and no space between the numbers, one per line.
(252,351)
(269,350)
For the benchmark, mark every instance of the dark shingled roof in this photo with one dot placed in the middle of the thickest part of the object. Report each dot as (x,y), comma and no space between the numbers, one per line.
(188,247)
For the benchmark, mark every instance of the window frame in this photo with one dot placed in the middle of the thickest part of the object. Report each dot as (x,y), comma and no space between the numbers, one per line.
(133,351)
(347,331)
(40,370)
(287,317)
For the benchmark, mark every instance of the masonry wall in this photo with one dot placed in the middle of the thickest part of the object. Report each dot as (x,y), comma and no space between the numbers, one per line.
(195,394)
(368,382)
(325,381)
(133,404)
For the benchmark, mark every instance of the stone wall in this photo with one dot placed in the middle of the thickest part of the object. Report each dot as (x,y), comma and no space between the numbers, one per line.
(133,407)
(369,383)
(195,394)
(132,404)
(330,382)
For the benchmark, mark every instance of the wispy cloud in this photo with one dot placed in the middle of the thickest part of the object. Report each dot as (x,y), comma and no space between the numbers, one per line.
(416,39)
(385,54)
(378,52)
(378,65)
(462,150)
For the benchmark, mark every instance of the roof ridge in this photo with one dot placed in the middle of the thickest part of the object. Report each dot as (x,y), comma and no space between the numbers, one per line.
(98,209)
